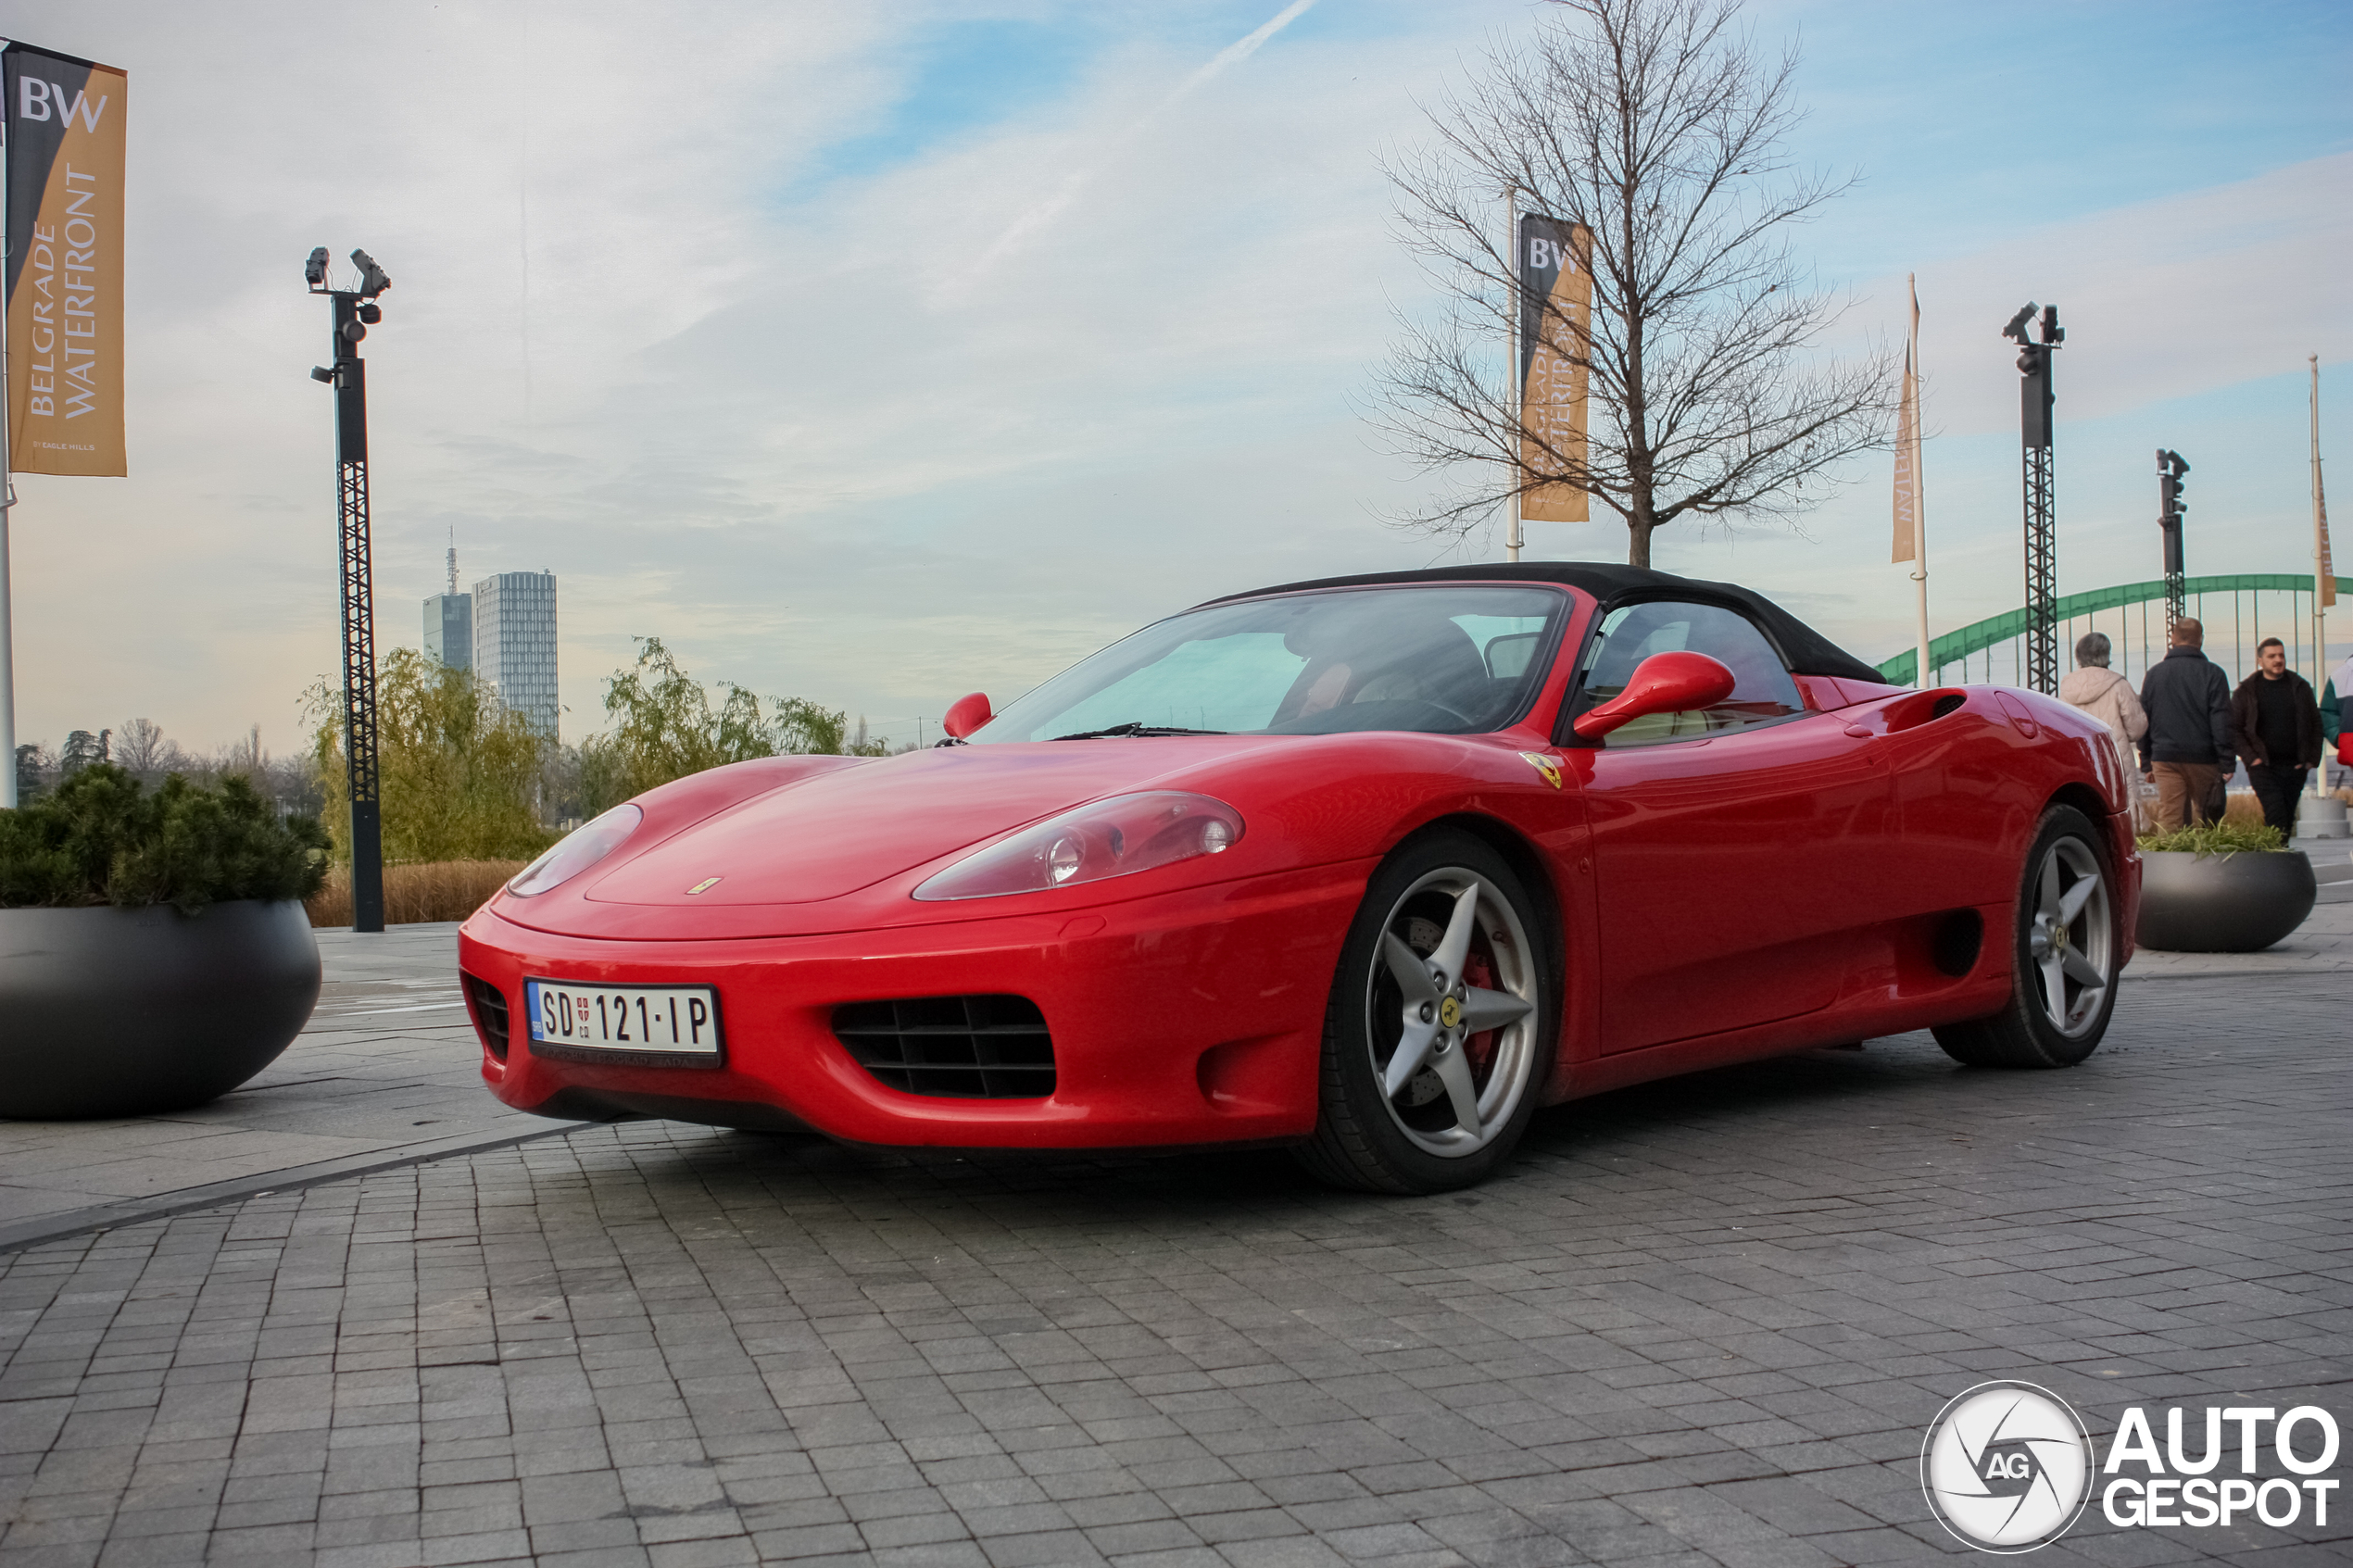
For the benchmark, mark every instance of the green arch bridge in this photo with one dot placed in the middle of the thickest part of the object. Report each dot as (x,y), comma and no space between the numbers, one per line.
(1985,637)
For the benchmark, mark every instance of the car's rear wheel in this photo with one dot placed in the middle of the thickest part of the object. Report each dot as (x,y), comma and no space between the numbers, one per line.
(2064,953)
(1439,1027)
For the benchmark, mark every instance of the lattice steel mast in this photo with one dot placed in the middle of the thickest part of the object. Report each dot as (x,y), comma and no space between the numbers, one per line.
(2035,400)
(2172,515)
(354,312)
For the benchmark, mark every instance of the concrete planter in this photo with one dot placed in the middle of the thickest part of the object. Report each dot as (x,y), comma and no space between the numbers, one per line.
(2324,818)
(123,1012)
(2239,903)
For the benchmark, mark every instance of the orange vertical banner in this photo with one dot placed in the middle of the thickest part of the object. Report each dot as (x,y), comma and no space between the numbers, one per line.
(2324,564)
(2328,565)
(1908,478)
(1907,449)
(1556,315)
(65,121)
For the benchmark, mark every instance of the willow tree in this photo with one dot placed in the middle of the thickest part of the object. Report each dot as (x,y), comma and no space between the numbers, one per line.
(458,772)
(1658,127)
(665,728)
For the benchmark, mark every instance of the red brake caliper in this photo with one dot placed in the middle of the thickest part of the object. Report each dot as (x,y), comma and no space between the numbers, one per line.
(1480,1048)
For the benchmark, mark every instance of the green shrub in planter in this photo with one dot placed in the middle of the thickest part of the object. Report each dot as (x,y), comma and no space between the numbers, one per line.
(154,952)
(99,838)
(2214,838)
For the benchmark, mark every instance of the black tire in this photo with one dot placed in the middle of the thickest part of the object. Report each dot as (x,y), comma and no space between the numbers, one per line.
(2053,1020)
(1416,1141)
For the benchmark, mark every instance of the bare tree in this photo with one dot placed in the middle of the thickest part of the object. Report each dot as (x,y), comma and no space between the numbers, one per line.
(1656,126)
(243,756)
(138,745)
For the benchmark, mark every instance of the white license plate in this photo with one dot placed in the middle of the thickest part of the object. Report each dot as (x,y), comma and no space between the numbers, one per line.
(673,1025)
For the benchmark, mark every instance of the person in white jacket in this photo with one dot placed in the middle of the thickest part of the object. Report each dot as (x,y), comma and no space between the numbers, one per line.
(2108,696)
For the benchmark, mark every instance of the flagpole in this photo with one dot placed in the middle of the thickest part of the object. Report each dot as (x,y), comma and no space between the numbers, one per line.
(8,500)
(7,631)
(1510,363)
(2323,587)
(1919,506)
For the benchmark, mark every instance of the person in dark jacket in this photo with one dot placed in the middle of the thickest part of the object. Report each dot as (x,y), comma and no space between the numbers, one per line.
(2275,724)
(2187,748)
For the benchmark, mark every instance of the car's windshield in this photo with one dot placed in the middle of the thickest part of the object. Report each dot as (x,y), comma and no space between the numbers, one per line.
(1445,659)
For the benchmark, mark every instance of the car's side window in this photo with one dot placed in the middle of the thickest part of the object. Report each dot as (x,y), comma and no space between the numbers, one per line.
(1762,690)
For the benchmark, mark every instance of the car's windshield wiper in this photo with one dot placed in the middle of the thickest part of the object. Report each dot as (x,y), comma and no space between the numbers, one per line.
(1138,727)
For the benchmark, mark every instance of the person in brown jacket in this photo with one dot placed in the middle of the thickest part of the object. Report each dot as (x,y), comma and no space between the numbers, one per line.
(2275,724)
(2107,697)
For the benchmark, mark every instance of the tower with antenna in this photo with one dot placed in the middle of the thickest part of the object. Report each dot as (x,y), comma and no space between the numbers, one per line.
(450,620)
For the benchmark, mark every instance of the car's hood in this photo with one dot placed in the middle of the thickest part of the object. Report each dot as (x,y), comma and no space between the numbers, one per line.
(805,846)
(834,832)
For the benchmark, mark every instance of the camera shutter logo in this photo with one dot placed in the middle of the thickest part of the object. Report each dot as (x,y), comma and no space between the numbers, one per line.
(2006,1467)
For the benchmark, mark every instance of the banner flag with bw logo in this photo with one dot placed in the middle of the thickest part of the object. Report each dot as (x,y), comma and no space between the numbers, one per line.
(65,150)
(1556,315)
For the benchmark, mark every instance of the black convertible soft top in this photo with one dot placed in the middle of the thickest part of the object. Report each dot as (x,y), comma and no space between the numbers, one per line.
(1806,650)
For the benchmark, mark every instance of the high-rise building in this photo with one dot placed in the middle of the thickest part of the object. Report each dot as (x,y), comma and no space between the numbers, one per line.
(449,623)
(514,643)
(450,629)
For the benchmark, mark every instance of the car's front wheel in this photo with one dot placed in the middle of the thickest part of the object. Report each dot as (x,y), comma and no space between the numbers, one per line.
(1439,1027)
(2066,945)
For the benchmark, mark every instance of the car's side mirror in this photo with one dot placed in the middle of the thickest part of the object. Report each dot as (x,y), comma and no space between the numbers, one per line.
(1665,683)
(966,715)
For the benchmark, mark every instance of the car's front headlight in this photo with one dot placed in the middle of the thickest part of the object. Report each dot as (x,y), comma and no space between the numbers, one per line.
(576,851)
(1115,837)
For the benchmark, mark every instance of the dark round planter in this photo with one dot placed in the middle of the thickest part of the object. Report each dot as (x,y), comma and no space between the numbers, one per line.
(2238,903)
(122,1012)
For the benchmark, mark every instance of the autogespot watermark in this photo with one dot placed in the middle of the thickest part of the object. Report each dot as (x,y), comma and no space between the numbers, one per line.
(2010,1467)
(2007,1466)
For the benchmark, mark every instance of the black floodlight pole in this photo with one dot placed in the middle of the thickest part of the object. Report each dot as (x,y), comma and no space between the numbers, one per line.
(356,311)
(2041,547)
(2172,513)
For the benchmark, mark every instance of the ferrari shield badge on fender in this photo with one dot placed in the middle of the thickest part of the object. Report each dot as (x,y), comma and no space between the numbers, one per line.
(1548,767)
(705,886)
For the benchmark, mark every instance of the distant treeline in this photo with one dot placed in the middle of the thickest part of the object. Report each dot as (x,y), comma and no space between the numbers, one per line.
(464,778)
(140,747)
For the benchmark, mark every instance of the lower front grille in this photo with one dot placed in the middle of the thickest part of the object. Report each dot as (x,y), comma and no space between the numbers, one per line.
(959,1048)
(489,1007)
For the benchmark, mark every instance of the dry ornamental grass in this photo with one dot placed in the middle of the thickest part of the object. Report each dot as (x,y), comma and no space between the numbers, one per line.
(439,890)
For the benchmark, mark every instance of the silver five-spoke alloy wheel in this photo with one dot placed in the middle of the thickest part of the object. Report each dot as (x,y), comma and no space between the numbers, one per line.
(2065,951)
(1451,1012)
(2070,937)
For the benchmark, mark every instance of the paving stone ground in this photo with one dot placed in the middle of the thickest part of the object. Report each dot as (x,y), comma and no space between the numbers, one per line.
(386,1068)
(2323,945)
(1698,1322)
(387,1071)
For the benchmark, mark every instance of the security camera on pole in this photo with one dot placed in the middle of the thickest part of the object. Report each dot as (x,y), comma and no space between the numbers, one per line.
(2035,400)
(355,311)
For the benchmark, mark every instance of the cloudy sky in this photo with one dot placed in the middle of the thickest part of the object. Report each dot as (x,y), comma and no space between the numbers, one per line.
(877,353)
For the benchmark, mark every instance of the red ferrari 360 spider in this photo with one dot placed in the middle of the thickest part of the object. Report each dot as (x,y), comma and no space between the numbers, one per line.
(1371,867)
